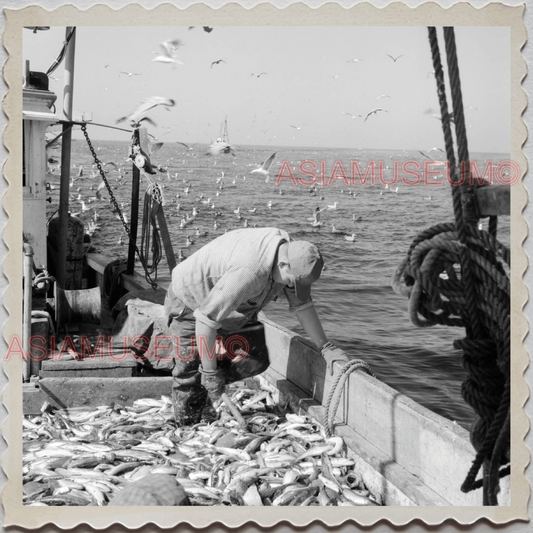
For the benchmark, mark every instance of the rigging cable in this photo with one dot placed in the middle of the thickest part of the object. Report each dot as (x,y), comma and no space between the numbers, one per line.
(61,55)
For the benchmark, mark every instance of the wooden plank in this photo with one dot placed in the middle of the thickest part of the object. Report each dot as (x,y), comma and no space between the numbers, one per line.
(92,392)
(98,262)
(381,474)
(96,362)
(105,367)
(130,282)
(431,447)
(95,372)
(494,200)
(136,282)
(434,449)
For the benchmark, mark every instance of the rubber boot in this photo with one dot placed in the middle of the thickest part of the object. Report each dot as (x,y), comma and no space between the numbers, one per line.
(188,402)
(209,413)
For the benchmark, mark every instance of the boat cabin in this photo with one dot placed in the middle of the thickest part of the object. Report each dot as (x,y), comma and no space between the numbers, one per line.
(38,115)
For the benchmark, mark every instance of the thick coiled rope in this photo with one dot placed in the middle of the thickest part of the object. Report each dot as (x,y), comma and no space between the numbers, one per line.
(458,275)
(111,290)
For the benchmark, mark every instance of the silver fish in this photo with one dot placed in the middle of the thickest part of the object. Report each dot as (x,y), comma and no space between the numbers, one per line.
(217,464)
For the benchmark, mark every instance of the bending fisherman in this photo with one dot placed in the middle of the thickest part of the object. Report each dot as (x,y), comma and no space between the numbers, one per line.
(220,289)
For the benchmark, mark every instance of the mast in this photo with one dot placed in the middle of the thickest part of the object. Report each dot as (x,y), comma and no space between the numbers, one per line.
(70,39)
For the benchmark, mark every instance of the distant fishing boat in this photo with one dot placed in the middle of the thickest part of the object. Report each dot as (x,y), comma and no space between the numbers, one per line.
(221,145)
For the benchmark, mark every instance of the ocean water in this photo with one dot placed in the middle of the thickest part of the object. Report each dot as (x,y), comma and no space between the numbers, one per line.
(358,308)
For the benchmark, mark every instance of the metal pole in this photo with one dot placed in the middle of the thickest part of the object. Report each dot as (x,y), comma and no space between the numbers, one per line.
(69,73)
(141,137)
(134,217)
(62,236)
(26,331)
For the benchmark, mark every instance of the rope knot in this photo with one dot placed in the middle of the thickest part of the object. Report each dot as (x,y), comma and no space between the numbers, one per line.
(338,387)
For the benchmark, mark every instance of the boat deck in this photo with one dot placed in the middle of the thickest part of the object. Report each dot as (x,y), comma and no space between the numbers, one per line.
(111,374)
(409,454)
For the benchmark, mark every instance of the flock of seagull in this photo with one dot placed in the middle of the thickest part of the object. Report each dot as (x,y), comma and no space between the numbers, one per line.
(168,54)
(200,205)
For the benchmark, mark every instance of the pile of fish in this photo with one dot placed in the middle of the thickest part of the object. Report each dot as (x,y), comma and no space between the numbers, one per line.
(73,457)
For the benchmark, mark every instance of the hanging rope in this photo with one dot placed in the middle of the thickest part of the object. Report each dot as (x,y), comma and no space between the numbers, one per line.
(457,275)
(151,239)
(338,387)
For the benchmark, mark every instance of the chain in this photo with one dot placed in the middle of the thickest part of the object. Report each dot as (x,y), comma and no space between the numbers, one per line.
(115,204)
(102,173)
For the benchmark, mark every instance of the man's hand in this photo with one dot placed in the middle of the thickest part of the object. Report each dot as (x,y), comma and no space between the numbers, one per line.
(214,382)
(331,353)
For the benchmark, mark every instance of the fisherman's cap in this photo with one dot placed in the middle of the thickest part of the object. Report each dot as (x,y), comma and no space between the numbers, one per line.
(306,265)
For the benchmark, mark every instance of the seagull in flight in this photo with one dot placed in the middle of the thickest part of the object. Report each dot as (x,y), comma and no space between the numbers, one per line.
(129,74)
(207,29)
(375,112)
(144,107)
(113,164)
(353,60)
(99,190)
(430,150)
(295,127)
(353,116)
(257,75)
(383,96)
(395,58)
(169,47)
(263,170)
(217,62)
(438,117)
(187,146)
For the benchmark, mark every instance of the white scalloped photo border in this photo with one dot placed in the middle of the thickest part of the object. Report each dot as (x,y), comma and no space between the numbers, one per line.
(395,14)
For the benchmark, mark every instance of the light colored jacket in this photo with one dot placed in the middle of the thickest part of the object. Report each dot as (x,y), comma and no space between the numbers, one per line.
(229,280)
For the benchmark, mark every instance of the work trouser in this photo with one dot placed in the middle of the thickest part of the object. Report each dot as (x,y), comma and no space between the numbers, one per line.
(245,356)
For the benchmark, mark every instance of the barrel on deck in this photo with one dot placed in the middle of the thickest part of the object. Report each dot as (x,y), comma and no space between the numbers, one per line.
(77,306)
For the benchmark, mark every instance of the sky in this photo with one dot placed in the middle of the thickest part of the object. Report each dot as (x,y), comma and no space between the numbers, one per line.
(306,94)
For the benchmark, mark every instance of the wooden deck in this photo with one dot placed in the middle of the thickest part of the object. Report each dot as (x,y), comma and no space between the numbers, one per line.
(409,454)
